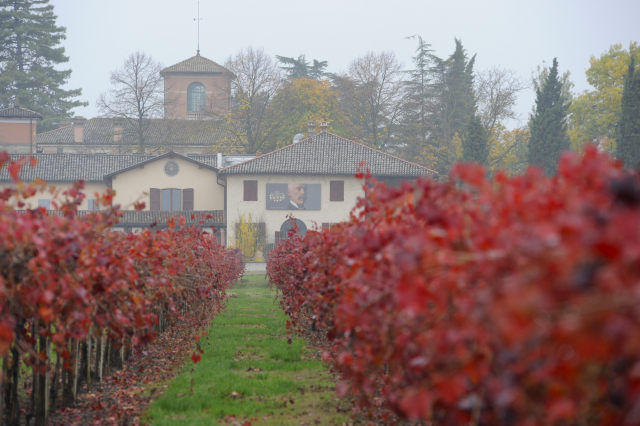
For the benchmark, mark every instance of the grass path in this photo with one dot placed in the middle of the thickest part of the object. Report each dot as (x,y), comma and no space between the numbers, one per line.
(248,370)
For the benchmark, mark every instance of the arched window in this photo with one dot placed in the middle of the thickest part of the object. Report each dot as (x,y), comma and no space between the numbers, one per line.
(196,97)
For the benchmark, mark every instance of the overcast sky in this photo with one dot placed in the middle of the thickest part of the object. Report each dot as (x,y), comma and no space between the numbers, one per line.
(512,34)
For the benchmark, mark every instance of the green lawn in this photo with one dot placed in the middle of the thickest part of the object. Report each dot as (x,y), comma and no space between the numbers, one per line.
(250,371)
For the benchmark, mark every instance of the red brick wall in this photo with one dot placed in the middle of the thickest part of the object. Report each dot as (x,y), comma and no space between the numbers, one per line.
(17,132)
(175,86)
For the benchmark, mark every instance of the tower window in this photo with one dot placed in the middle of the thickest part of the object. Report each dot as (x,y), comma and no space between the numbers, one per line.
(196,97)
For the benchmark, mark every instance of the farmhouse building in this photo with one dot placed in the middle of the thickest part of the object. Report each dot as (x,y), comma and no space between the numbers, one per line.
(323,167)
(311,180)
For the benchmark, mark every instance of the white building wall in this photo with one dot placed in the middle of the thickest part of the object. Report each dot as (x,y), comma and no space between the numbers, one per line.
(134,185)
(330,212)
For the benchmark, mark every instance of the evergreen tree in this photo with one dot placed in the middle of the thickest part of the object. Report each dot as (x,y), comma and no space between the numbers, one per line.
(628,147)
(300,68)
(29,51)
(453,104)
(416,124)
(475,144)
(458,88)
(548,123)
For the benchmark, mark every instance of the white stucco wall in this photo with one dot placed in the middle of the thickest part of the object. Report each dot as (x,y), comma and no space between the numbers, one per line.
(89,189)
(132,184)
(330,212)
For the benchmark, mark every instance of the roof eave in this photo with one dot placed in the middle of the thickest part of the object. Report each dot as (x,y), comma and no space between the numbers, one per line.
(109,177)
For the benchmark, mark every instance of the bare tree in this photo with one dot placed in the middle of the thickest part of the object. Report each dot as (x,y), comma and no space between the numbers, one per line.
(252,120)
(137,97)
(372,95)
(496,94)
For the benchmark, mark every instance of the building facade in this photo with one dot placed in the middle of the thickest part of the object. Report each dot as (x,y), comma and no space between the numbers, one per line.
(311,181)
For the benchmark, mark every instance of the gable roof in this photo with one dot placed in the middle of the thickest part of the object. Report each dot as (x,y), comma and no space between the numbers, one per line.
(87,167)
(328,154)
(195,64)
(167,132)
(170,154)
(18,112)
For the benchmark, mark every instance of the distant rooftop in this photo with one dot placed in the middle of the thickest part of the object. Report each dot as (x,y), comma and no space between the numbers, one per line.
(18,112)
(87,167)
(328,154)
(166,132)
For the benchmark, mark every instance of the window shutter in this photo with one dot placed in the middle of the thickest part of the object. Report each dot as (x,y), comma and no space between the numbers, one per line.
(154,199)
(250,190)
(336,190)
(326,226)
(187,199)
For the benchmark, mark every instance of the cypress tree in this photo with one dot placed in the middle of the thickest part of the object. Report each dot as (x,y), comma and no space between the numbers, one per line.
(475,144)
(548,126)
(458,92)
(29,51)
(628,141)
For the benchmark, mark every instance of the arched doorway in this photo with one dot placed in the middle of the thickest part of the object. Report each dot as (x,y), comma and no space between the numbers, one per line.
(288,224)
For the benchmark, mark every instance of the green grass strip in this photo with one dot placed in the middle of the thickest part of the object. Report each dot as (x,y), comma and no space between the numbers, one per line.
(249,371)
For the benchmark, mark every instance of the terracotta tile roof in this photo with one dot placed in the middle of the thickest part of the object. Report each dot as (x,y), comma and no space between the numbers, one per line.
(208,161)
(166,132)
(87,167)
(328,154)
(195,64)
(18,112)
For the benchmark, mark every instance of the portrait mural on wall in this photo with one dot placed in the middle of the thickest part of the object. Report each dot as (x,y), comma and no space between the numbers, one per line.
(293,196)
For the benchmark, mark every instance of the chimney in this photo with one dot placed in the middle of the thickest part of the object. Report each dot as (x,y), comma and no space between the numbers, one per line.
(78,129)
(323,126)
(219,164)
(118,130)
(311,125)
(16,102)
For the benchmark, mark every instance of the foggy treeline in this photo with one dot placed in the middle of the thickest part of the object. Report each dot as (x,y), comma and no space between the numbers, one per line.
(427,110)
(434,111)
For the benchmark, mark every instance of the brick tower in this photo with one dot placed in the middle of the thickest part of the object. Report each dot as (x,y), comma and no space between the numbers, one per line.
(196,88)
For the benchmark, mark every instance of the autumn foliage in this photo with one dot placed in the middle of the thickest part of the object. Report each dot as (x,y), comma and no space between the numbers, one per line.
(65,277)
(481,301)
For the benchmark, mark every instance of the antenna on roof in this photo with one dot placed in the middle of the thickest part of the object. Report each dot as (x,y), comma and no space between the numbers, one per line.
(199,19)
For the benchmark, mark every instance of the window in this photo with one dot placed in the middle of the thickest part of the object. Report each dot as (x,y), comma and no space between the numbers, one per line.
(93,204)
(45,203)
(250,190)
(171,199)
(336,190)
(196,97)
